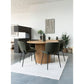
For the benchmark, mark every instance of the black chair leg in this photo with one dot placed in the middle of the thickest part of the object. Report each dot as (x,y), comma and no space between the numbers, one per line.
(42,58)
(31,56)
(59,60)
(47,61)
(23,59)
(63,55)
(35,58)
(54,57)
(20,57)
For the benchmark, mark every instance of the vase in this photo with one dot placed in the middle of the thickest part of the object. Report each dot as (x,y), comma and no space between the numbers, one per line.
(43,37)
(48,38)
(56,38)
(40,37)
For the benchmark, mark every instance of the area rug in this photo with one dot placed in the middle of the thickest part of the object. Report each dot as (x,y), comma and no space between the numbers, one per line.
(30,68)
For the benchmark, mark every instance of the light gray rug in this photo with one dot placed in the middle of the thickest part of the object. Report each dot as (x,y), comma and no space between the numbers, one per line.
(30,68)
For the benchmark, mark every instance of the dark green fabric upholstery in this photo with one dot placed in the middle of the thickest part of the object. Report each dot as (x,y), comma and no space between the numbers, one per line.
(52,48)
(23,49)
(31,50)
(22,46)
(45,52)
(61,42)
(32,46)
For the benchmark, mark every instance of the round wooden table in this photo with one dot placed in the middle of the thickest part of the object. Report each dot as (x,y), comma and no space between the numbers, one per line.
(39,47)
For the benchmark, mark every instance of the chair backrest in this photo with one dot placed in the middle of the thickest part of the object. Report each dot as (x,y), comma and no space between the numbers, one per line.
(22,46)
(52,48)
(61,42)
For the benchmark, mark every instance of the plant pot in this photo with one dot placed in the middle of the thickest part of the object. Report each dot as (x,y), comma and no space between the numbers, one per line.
(48,38)
(40,37)
(56,38)
(69,50)
(65,50)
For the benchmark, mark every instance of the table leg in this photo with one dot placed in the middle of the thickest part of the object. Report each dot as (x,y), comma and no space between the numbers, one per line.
(39,48)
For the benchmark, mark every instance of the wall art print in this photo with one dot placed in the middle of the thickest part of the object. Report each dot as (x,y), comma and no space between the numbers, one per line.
(49,26)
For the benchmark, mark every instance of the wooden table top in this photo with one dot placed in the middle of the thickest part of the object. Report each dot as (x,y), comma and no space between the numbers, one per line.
(41,42)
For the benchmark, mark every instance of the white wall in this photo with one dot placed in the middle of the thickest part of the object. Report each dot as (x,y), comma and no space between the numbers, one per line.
(35,17)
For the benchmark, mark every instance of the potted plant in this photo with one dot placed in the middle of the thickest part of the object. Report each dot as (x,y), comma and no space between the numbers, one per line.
(66,39)
(40,32)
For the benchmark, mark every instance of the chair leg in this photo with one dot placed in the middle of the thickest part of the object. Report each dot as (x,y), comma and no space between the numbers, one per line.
(42,58)
(54,57)
(23,59)
(63,55)
(31,56)
(59,60)
(20,57)
(47,61)
(35,58)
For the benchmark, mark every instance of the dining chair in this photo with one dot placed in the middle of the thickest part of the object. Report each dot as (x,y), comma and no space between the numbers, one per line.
(51,49)
(32,46)
(24,51)
(61,42)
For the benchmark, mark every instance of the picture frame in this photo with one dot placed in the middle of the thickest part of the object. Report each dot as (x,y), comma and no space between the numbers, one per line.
(49,26)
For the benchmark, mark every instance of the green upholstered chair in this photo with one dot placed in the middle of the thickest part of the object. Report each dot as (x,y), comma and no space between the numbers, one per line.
(51,49)
(24,51)
(61,42)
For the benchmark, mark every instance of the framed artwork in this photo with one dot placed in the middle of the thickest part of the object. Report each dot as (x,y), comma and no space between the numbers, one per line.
(49,26)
